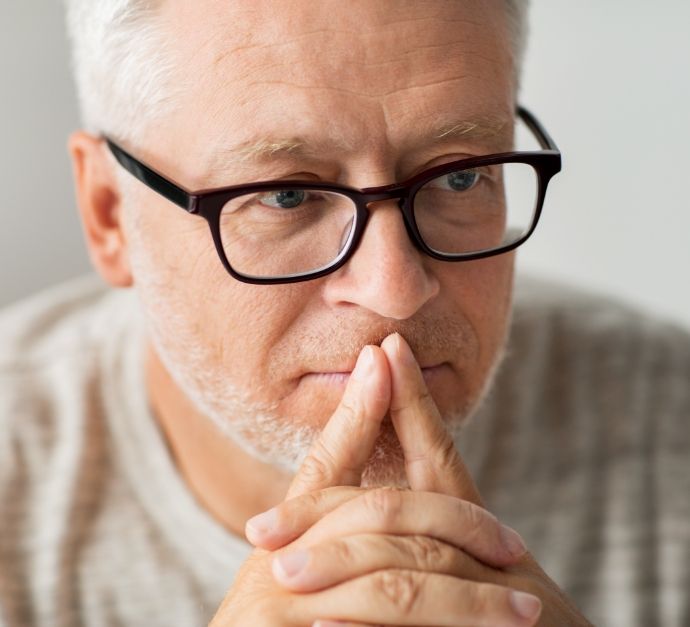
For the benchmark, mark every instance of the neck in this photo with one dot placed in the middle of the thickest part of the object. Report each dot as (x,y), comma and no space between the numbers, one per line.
(231,484)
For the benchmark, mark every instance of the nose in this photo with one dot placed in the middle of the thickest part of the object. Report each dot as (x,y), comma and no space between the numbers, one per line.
(387,274)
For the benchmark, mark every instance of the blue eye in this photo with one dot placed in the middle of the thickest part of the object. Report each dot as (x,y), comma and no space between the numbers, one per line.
(462,181)
(285,199)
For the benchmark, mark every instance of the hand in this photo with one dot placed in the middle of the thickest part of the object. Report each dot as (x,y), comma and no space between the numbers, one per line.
(337,459)
(388,530)
(387,556)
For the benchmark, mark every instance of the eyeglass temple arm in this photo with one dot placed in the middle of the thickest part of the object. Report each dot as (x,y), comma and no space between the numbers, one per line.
(539,131)
(147,176)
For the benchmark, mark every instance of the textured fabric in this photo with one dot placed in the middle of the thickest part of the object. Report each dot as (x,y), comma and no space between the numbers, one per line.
(96,526)
(583,446)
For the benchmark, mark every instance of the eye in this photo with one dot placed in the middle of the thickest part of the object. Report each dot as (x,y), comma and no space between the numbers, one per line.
(284,199)
(458,181)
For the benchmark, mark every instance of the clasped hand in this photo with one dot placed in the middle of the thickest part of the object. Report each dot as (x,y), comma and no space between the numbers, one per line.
(335,553)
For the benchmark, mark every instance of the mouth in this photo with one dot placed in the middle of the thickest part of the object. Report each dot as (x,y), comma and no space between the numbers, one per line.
(340,379)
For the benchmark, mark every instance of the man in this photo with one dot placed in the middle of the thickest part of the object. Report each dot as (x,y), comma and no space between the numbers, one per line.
(304,341)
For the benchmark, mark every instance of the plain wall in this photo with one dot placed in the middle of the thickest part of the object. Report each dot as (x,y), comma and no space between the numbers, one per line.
(610,79)
(40,237)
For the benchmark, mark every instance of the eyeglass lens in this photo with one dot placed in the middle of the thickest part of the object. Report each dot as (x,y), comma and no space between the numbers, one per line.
(296,231)
(479,209)
(284,233)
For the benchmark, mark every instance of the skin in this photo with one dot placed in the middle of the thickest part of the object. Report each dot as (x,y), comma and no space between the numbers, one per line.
(359,95)
(366,86)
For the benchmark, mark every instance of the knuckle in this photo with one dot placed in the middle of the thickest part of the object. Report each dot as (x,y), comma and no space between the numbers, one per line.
(415,398)
(428,554)
(447,456)
(423,396)
(481,600)
(342,552)
(386,505)
(310,505)
(305,503)
(401,588)
(349,408)
(477,519)
(318,465)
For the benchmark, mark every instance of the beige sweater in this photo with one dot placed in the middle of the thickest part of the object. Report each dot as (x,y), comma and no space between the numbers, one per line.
(583,446)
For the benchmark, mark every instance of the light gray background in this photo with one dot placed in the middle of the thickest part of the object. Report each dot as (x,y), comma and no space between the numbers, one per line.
(610,79)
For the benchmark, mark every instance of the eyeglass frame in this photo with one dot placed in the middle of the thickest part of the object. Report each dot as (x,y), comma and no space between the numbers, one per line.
(209,203)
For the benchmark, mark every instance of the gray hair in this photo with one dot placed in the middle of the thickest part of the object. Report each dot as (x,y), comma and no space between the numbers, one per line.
(122,64)
(518,22)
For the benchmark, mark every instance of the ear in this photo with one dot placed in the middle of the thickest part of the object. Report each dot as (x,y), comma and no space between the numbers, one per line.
(100,208)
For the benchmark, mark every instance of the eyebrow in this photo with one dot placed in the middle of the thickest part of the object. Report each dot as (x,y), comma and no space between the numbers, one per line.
(298,147)
(482,128)
(262,150)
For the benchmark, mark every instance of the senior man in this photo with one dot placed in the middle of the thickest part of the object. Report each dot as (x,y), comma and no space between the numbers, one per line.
(307,335)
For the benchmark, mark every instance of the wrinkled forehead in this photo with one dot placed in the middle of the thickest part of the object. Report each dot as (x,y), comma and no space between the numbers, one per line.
(350,70)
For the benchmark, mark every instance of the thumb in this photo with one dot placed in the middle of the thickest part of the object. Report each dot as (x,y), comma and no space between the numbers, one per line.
(338,457)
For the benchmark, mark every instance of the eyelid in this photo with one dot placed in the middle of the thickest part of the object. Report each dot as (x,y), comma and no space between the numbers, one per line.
(302,176)
(444,161)
(488,171)
(485,171)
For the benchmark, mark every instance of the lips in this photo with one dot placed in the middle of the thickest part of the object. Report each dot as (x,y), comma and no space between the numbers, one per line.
(333,378)
(340,378)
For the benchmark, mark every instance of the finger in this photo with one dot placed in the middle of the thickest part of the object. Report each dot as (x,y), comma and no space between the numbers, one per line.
(406,513)
(285,523)
(339,455)
(333,563)
(432,462)
(407,597)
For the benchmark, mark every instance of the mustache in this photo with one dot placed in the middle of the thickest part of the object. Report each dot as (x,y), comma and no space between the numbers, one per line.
(435,337)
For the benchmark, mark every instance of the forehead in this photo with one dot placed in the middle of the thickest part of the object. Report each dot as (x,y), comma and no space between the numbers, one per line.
(346,74)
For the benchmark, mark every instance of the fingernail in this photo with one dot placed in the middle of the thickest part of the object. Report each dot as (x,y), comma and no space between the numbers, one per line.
(404,351)
(525,605)
(292,563)
(263,522)
(365,364)
(513,541)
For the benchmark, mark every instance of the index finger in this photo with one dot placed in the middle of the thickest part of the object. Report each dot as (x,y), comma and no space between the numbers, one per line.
(339,455)
(432,461)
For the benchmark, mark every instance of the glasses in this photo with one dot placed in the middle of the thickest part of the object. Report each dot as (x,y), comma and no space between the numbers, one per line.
(291,231)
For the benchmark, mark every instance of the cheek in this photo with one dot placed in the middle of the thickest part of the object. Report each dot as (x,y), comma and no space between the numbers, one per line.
(198,306)
(166,241)
(482,290)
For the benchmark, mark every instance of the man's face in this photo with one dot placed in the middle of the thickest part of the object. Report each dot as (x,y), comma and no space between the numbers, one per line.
(360,93)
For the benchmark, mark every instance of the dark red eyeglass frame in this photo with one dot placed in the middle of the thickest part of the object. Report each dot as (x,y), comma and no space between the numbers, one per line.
(209,203)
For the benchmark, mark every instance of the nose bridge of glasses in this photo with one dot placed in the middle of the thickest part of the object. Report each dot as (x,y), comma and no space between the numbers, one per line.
(390,193)
(374,195)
